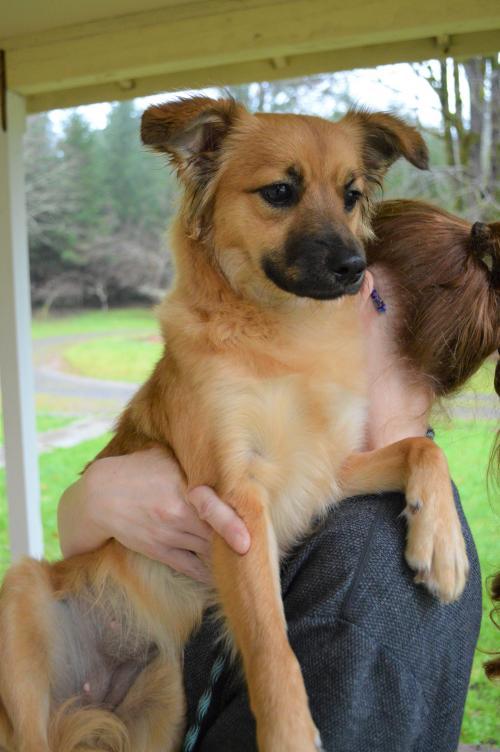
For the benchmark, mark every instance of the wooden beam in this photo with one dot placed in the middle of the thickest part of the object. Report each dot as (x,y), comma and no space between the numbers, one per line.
(459,46)
(18,403)
(224,32)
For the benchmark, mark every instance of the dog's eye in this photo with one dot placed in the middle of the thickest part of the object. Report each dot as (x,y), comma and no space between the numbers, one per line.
(351,198)
(279,194)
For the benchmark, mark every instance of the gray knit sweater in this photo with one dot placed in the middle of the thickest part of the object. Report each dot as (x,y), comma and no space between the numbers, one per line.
(385,665)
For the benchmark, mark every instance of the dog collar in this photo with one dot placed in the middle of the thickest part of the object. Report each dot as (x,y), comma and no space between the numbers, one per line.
(378,302)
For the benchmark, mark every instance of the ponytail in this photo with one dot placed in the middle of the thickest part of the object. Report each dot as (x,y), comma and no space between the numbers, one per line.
(446,276)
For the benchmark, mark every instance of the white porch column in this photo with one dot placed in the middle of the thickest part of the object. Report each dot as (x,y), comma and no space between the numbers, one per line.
(16,363)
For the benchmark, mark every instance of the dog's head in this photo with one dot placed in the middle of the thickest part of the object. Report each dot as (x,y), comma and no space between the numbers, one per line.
(282,201)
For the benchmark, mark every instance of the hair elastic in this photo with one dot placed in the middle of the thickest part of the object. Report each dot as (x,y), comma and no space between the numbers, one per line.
(378,302)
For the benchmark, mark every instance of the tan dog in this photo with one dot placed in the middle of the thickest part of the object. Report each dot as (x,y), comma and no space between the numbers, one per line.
(260,394)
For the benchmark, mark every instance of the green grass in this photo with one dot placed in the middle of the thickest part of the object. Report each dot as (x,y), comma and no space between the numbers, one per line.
(45,422)
(467,446)
(482,381)
(119,358)
(85,322)
(58,469)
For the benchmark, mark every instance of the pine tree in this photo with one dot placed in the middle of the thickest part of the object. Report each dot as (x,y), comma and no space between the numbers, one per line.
(80,152)
(138,185)
(48,204)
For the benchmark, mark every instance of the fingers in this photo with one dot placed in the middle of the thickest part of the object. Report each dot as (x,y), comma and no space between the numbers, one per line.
(165,537)
(192,524)
(220,517)
(188,564)
(187,542)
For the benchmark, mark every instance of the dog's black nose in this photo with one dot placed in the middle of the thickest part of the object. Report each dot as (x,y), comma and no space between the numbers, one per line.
(348,271)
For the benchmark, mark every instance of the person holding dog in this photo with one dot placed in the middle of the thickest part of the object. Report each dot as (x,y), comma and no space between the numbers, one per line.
(386,666)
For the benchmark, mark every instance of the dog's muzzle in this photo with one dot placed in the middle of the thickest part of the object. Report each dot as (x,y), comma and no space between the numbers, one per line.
(323,266)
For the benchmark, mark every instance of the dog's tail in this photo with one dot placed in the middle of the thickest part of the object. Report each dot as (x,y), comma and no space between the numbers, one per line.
(77,729)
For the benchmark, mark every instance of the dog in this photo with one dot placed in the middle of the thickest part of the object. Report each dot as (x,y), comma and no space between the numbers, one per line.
(261,394)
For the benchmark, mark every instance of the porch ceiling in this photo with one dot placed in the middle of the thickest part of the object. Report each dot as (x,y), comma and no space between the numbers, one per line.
(63,54)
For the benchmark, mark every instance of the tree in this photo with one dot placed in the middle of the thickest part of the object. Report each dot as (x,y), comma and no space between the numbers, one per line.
(49,204)
(468,95)
(494,173)
(80,153)
(325,94)
(125,266)
(98,204)
(138,186)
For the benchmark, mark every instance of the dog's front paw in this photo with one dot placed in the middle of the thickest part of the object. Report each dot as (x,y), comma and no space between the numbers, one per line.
(435,547)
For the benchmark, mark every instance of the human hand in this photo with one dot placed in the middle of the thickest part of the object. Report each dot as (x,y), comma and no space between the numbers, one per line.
(140,500)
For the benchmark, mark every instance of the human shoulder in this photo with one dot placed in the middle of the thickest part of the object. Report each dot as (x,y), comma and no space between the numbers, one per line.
(352,570)
(330,561)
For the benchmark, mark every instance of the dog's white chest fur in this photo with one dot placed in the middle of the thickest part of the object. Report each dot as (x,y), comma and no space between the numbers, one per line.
(289,434)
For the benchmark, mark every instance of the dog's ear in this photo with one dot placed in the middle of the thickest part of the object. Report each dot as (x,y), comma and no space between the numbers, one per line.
(385,138)
(190,130)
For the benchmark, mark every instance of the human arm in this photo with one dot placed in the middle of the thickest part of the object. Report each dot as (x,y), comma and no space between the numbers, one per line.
(139,499)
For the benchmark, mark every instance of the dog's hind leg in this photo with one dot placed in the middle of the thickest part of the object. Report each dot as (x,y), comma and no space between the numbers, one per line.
(249,589)
(26,651)
(154,707)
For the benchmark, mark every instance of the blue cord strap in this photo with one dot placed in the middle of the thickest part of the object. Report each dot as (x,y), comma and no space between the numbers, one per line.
(203,705)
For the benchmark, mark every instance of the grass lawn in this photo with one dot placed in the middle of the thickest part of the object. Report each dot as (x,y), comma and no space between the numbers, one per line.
(58,469)
(467,446)
(119,358)
(83,322)
(482,381)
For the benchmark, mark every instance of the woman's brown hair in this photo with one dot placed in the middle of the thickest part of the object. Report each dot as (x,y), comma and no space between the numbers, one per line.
(446,275)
